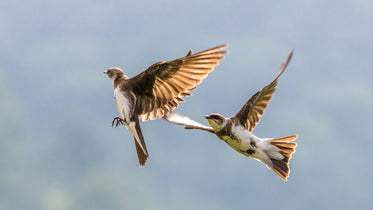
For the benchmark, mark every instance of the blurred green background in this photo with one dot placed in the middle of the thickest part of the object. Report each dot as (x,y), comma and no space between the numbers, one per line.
(59,151)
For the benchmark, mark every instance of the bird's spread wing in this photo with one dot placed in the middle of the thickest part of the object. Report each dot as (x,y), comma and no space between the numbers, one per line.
(250,112)
(179,119)
(159,88)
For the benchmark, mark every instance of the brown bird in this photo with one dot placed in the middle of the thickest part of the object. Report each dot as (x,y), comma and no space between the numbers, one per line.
(158,90)
(236,131)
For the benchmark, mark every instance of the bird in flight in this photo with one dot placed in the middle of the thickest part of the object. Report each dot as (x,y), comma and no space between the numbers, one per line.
(158,90)
(236,131)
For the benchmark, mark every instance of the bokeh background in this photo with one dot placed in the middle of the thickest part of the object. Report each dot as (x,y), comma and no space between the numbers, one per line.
(59,151)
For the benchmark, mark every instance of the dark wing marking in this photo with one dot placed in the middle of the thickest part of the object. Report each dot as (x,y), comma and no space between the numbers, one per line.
(179,119)
(249,114)
(161,87)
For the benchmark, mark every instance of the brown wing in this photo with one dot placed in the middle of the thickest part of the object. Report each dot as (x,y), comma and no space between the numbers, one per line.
(249,114)
(159,88)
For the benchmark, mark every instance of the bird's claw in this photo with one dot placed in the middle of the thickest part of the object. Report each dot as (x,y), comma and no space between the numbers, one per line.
(117,121)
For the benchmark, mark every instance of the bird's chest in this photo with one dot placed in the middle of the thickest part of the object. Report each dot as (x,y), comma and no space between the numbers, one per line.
(230,138)
(123,103)
(239,140)
(235,143)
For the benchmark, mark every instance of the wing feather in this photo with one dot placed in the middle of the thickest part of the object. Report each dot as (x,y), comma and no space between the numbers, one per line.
(250,113)
(188,123)
(162,85)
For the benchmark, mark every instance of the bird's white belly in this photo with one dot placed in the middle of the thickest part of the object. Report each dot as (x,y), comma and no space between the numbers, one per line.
(123,104)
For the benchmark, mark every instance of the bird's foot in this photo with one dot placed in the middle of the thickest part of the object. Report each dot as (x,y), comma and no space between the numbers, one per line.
(117,121)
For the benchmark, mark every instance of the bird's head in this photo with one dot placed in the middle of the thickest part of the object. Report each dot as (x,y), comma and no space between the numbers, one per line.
(114,73)
(216,121)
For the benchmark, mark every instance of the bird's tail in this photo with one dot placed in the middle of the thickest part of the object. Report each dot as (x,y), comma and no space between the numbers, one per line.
(276,153)
(142,152)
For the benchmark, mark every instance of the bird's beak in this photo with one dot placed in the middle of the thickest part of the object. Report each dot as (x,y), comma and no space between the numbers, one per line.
(207,116)
(105,72)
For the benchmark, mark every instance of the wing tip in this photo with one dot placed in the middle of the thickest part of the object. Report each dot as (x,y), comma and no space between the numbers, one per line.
(287,61)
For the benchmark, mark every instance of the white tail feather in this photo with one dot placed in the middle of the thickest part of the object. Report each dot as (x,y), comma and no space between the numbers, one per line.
(276,153)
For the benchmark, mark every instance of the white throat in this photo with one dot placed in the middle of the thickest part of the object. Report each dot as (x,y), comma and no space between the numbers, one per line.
(122,104)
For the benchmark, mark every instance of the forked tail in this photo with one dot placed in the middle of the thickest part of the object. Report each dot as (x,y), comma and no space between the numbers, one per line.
(286,149)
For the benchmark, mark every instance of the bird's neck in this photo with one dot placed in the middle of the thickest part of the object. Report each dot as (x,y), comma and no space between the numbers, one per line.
(119,80)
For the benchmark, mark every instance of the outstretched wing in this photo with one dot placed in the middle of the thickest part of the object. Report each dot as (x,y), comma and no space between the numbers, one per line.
(251,111)
(179,119)
(161,87)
